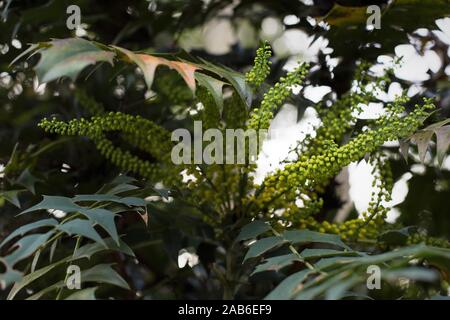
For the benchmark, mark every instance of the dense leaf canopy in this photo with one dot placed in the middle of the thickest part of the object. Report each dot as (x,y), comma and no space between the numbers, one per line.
(87,179)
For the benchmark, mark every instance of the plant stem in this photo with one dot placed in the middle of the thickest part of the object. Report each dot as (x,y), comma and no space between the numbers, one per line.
(77,245)
(230,276)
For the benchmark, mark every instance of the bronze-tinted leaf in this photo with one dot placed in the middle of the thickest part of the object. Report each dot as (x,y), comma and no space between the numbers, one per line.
(442,142)
(404,148)
(422,139)
(148,64)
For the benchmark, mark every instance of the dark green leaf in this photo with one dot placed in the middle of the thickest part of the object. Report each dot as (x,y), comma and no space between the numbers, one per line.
(397,237)
(121,188)
(262,246)
(105,219)
(307,236)
(276,263)
(67,57)
(214,86)
(28,180)
(104,273)
(413,273)
(252,230)
(438,297)
(38,295)
(102,217)
(27,246)
(83,294)
(315,290)
(237,80)
(340,290)
(289,286)
(12,196)
(55,202)
(35,260)
(129,201)
(29,278)
(28,227)
(88,250)
(83,228)
(9,277)
(325,253)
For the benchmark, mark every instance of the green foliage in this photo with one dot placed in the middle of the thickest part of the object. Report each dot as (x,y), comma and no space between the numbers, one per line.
(322,266)
(206,206)
(91,219)
(348,21)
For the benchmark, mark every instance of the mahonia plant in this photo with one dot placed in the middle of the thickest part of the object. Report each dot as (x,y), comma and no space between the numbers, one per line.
(226,195)
(320,157)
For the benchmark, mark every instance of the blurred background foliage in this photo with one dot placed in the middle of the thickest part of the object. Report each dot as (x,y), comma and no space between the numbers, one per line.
(330,34)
